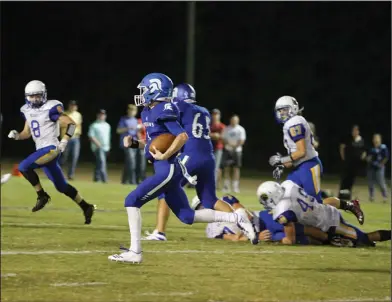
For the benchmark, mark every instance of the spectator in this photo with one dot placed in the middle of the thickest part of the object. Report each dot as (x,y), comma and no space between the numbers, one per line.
(71,153)
(99,135)
(352,152)
(128,125)
(234,137)
(140,158)
(217,128)
(377,158)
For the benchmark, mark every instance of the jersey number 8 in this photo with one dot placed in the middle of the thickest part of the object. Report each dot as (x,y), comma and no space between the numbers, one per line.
(197,128)
(35,128)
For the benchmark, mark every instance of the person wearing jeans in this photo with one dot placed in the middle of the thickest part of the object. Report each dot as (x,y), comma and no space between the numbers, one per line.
(377,158)
(99,135)
(128,126)
(72,151)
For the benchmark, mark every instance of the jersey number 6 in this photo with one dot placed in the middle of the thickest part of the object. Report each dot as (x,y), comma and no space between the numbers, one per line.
(35,128)
(197,128)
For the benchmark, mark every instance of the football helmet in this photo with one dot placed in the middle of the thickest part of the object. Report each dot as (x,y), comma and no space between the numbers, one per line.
(184,92)
(35,93)
(154,87)
(285,108)
(269,194)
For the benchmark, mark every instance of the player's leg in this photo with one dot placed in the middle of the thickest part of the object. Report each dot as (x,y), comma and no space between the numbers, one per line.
(371,181)
(352,206)
(55,174)
(163,213)
(32,162)
(74,158)
(380,235)
(237,163)
(352,233)
(380,178)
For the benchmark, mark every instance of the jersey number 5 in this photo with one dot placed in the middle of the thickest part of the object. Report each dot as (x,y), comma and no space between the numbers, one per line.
(197,128)
(35,128)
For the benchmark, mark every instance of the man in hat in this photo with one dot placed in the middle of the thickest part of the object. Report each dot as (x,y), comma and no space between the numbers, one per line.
(71,153)
(99,135)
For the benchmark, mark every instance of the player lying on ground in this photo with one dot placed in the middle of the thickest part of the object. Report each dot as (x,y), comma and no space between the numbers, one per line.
(162,119)
(290,204)
(266,228)
(42,118)
(197,156)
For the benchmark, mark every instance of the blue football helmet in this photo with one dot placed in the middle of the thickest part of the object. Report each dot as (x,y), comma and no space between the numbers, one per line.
(154,87)
(184,92)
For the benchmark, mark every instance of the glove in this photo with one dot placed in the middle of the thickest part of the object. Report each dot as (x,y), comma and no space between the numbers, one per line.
(14,134)
(275,160)
(278,171)
(62,145)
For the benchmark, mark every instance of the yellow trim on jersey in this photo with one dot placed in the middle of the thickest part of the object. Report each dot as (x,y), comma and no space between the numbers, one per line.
(52,154)
(316,178)
(346,231)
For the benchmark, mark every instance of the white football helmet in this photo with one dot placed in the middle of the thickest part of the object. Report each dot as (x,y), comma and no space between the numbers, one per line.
(285,108)
(269,194)
(35,93)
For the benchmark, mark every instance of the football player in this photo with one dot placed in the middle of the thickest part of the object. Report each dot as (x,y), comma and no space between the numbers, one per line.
(160,116)
(42,119)
(197,156)
(298,140)
(290,204)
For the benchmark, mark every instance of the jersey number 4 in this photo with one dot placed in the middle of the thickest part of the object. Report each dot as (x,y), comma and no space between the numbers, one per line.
(35,128)
(198,128)
(304,205)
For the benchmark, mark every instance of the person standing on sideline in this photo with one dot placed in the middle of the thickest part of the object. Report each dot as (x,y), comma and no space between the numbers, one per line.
(140,158)
(71,153)
(128,126)
(377,158)
(217,128)
(99,135)
(234,137)
(352,153)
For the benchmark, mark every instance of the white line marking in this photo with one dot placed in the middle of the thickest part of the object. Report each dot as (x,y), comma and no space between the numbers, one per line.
(78,284)
(8,275)
(65,225)
(165,294)
(351,300)
(309,252)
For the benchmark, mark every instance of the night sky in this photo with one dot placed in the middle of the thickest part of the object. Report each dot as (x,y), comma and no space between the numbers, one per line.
(333,57)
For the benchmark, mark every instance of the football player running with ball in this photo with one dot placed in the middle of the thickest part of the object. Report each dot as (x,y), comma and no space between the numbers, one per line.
(42,119)
(160,116)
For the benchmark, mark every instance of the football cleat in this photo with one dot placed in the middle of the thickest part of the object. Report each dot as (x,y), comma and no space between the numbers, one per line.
(155,235)
(41,202)
(355,208)
(244,224)
(127,257)
(88,213)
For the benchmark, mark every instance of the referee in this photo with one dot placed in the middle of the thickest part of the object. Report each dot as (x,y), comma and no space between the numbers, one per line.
(352,153)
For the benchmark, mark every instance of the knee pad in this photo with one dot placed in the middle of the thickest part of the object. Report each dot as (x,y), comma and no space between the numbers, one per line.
(68,190)
(186,216)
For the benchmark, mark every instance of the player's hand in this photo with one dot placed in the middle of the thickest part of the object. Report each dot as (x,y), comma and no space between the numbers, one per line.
(265,235)
(278,171)
(14,134)
(275,160)
(63,145)
(158,155)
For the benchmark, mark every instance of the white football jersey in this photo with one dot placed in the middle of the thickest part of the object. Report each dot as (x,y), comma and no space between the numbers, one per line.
(297,128)
(305,208)
(217,229)
(44,130)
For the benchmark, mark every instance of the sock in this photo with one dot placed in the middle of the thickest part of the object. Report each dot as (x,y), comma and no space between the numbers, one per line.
(135,228)
(31,176)
(41,193)
(208,215)
(227,183)
(385,235)
(236,184)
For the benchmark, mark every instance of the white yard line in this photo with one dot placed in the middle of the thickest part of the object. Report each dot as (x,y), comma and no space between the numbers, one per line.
(8,275)
(166,294)
(77,284)
(65,225)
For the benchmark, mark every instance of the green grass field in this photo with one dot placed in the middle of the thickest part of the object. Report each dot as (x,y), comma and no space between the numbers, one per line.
(51,256)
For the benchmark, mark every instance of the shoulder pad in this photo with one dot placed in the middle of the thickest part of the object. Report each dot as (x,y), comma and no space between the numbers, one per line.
(281,207)
(166,112)
(295,120)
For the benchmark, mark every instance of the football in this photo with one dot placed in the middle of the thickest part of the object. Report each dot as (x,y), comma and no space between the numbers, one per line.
(162,142)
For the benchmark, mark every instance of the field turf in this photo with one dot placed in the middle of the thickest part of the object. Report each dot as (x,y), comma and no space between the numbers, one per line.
(51,256)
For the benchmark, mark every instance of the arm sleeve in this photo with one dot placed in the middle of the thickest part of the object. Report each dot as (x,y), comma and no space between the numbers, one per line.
(286,217)
(23,115)
(297,132)
(55,112)
(230,199)
(174,127)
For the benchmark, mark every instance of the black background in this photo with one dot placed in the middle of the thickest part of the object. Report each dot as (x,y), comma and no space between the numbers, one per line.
(333,57)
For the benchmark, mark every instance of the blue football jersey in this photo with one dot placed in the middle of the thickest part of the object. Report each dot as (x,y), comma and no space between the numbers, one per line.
(154,120)
(196,122)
